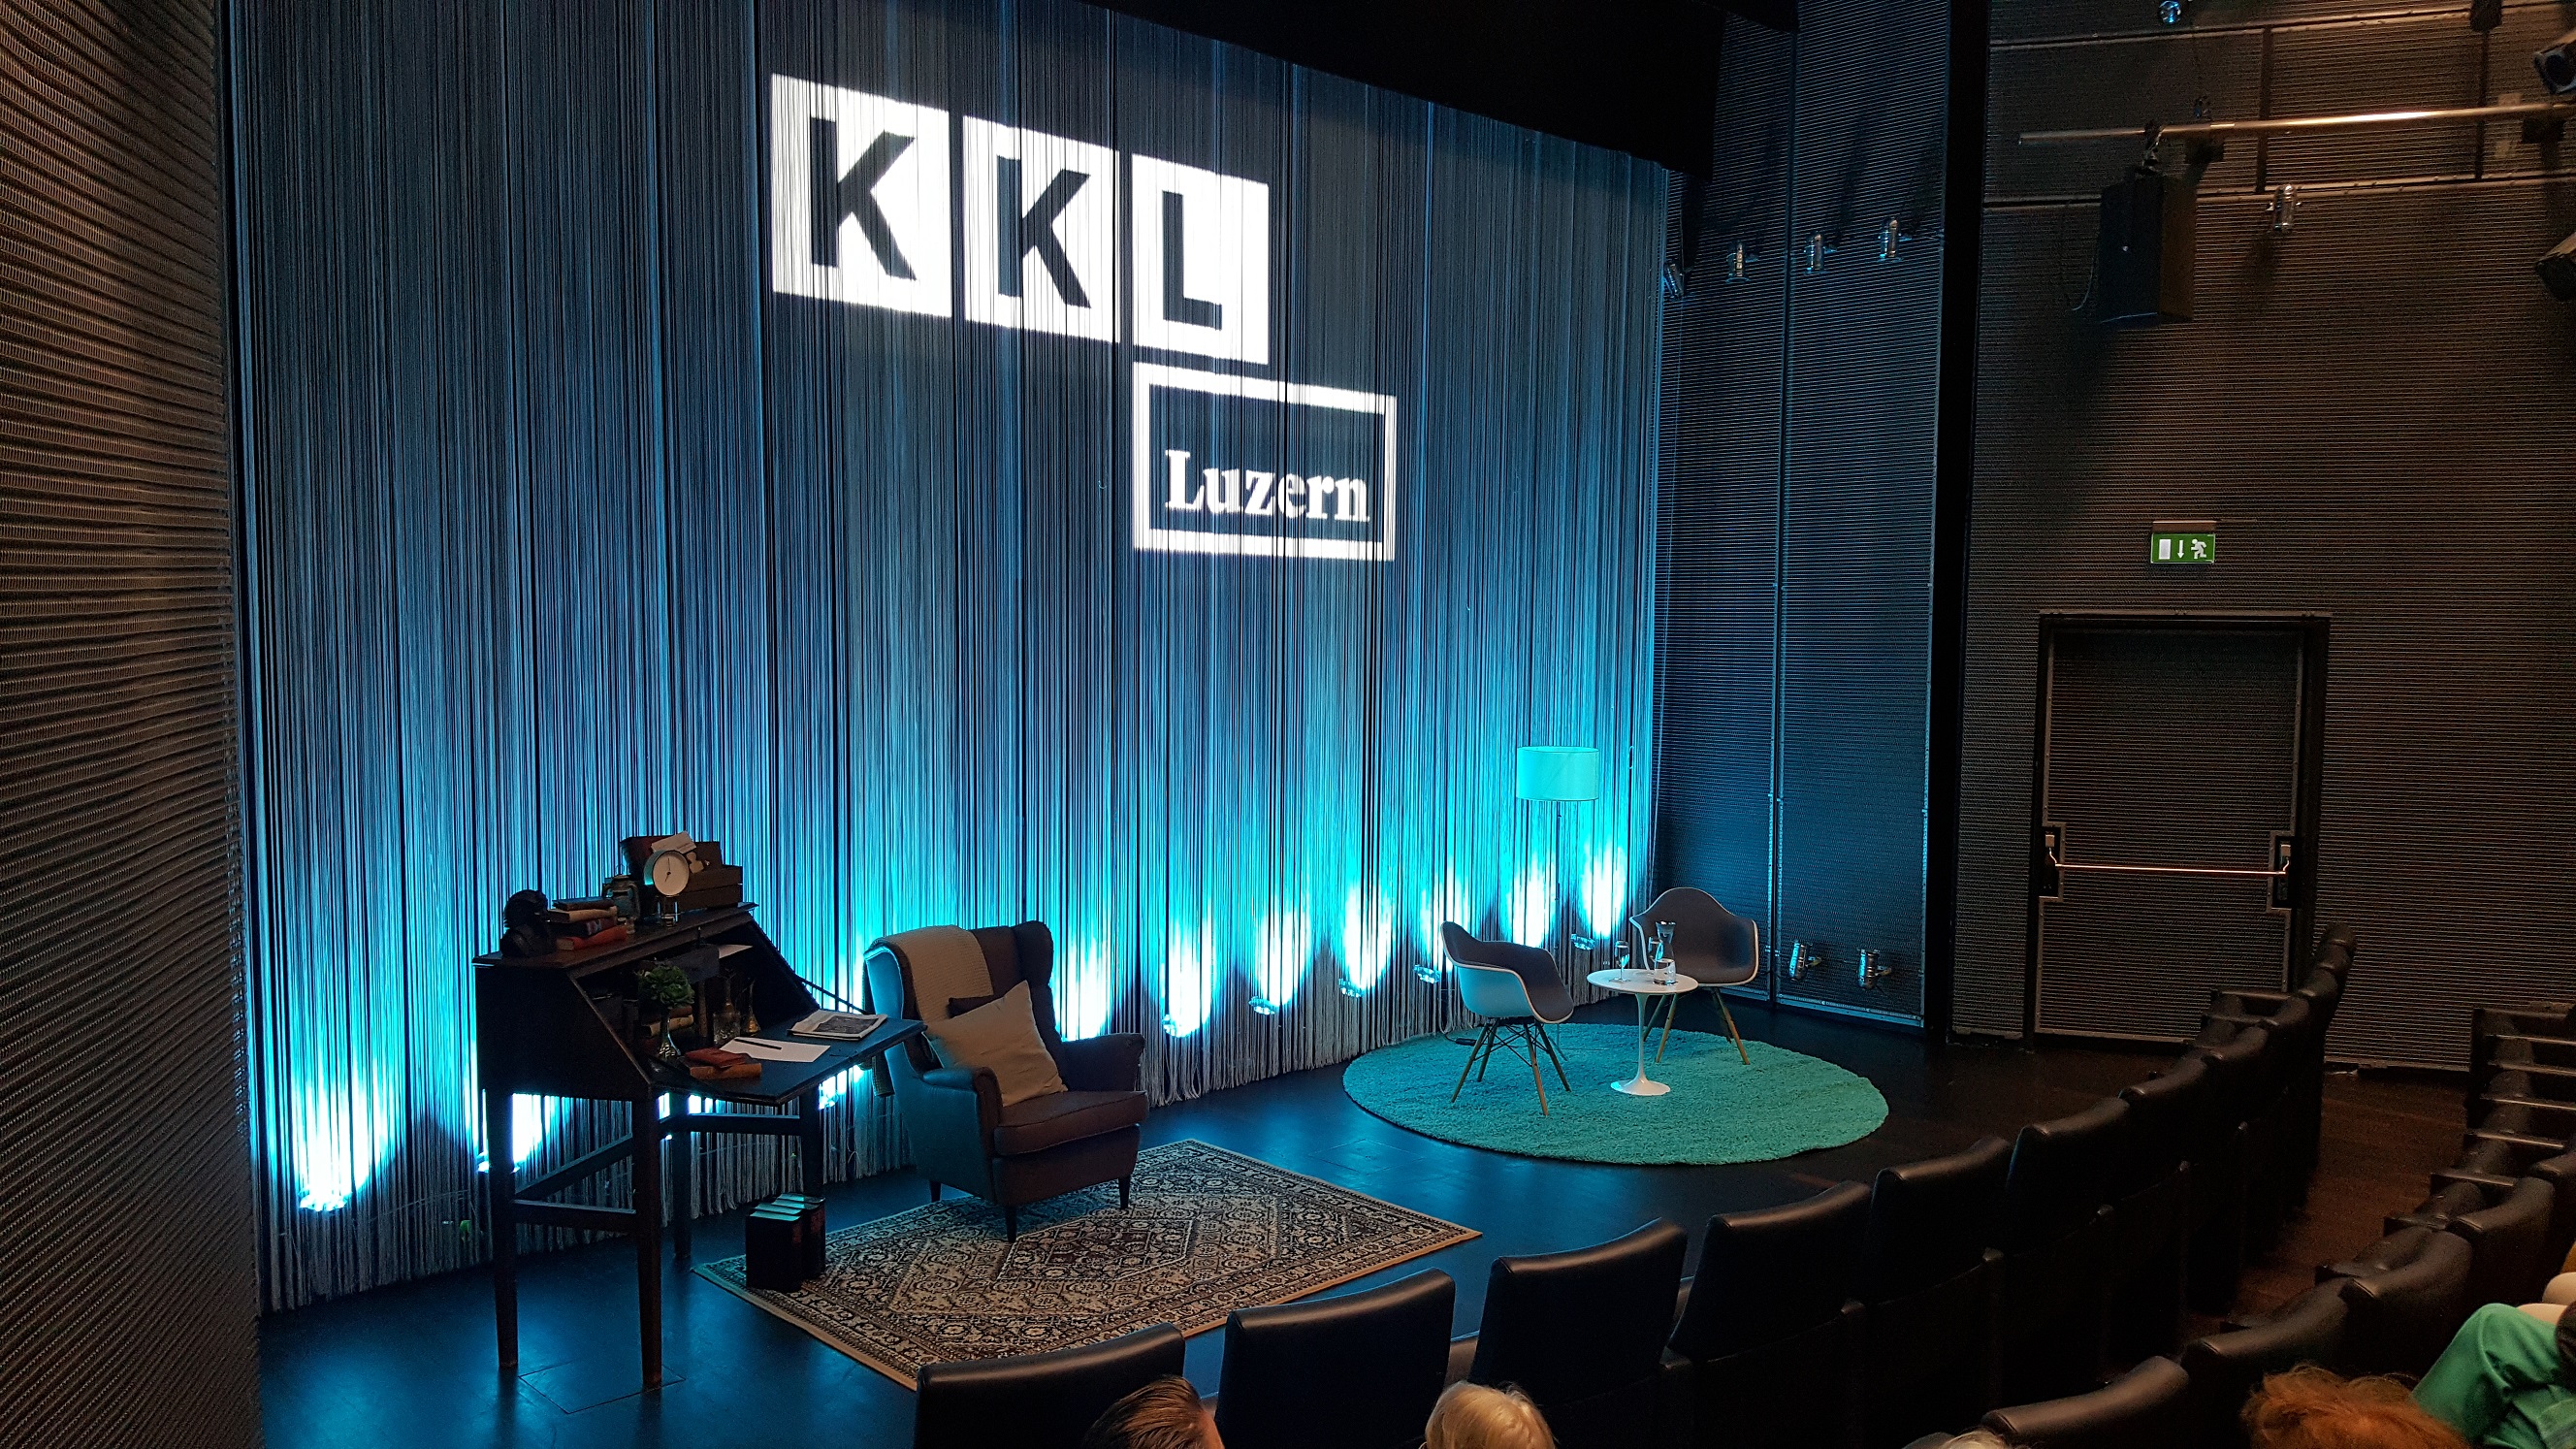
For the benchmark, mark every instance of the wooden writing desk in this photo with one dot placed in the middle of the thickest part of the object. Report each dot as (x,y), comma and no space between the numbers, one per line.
(538,1029)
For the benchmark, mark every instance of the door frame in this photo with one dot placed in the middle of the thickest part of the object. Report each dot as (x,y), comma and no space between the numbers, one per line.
(2315,631)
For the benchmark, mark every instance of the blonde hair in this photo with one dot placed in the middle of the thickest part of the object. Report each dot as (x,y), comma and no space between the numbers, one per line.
(1472,1416)
(1165,1414)
(2309,1408)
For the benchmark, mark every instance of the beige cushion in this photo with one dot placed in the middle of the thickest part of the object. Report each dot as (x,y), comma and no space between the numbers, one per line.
(1001,1035)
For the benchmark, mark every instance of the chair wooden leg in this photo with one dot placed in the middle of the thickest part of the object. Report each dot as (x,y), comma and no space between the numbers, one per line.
(1123,1184)
(934,1192)
(1672,1008)
(1472,1053)
(1536,1080)
(1549,1041)
(1010,1223)
(1730,1027)
(1493,1041)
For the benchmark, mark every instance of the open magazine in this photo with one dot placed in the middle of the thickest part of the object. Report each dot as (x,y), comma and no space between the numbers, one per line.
(838,1025)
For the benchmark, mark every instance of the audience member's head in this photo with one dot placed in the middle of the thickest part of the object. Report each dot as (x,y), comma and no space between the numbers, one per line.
(1471,1416)
(2308,1408)
(1165,1414)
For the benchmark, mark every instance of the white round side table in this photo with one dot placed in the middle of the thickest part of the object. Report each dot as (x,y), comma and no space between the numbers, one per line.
(1645,986)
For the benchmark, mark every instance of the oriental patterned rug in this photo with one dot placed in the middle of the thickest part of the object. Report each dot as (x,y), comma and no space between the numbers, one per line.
(1210,1231)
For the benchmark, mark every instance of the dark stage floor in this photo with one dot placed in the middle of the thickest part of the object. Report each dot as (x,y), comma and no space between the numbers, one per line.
(412,1364)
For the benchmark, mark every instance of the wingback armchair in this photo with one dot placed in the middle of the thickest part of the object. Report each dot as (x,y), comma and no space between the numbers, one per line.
(961,1133)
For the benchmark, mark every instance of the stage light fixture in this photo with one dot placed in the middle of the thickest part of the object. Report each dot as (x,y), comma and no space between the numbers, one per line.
(2558,270)
(2556,63)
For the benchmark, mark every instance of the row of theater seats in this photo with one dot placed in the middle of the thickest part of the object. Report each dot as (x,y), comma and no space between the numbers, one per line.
(1864,1317)
(2497,1224)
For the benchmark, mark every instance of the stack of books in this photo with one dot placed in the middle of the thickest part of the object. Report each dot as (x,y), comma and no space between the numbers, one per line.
(715,1064)
(585,925)
(783,1243)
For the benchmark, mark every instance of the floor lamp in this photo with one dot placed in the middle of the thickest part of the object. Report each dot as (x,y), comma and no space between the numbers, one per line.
(1557,774)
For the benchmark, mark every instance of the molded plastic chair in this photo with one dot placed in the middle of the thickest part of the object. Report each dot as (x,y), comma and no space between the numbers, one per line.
(1038,1400)
(1711,945)
(2226,1368)
(1770,1338)
(1929,1279)
(2060,1246)
(2146,1408)
(1516,989)
(2409,1292)
(1360,1371)
(1582,1333)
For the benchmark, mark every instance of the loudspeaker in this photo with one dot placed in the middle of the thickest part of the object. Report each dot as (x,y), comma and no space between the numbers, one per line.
(2150,233)
(2558,270)
(2556,63)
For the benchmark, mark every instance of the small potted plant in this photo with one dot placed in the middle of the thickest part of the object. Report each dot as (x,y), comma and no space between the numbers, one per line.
(663,990)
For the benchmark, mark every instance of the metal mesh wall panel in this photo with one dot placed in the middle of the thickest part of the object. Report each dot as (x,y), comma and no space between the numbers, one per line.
(2374,408)
(1720,494)
(126,1285)
(1800,436)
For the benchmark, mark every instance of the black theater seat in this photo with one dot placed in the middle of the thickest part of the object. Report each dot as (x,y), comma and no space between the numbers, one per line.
(1582,1333)
(1038,1400)
(2408,1292)
(2278,1162)
(2497,1166)
(2508,1229)
(2507,1240)
(2059,1247)
(2221,1150)
(1769,1347)
(2225,1368)
(2145,1408)
(2336,948)
(1929,1280)
(2151,1207)
(1355,1372)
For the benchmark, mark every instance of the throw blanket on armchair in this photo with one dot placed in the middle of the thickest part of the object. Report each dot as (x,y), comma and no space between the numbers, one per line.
(946,965)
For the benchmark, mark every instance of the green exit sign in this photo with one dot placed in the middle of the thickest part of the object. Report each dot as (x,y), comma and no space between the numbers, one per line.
(2183,541)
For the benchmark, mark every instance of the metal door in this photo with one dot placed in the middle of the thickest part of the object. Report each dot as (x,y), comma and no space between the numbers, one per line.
(2173,839)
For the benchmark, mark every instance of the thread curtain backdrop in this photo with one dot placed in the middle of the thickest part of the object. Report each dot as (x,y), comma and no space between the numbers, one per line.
(644,429)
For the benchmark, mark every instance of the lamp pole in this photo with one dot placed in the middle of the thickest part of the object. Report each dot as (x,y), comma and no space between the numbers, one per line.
(1557,774)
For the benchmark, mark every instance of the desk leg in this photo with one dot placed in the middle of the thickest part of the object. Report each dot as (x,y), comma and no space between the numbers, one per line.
(682,1169)
(648,1233)
(501,1217)
(809,1142)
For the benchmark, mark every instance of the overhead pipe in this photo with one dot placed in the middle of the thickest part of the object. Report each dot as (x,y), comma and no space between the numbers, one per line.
(2157,135)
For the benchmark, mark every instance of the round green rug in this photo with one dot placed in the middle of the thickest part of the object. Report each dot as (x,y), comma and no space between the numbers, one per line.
(1719,1109)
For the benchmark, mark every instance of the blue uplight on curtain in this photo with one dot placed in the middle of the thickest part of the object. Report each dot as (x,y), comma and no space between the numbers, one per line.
(564,522)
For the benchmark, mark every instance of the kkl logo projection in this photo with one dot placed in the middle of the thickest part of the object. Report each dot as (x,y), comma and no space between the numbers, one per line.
(861,213)
(1196,487)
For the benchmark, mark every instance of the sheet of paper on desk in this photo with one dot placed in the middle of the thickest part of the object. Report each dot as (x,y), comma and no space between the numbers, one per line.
(776,1051)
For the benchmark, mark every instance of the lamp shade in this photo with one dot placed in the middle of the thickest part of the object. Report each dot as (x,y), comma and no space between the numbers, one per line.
(1560,772)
